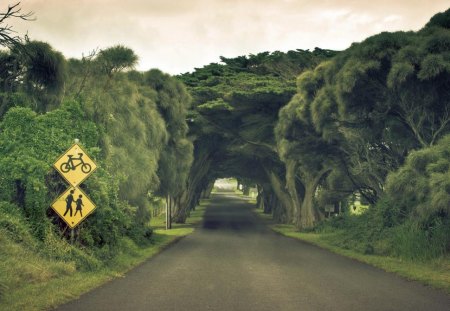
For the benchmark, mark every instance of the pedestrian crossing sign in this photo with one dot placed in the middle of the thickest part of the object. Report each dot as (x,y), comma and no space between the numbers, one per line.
(73,206)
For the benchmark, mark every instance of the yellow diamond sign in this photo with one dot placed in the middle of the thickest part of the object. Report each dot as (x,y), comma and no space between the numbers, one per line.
(73,206)
(75,165)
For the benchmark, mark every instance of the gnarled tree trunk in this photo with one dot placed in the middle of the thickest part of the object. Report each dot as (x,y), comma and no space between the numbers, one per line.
(283,199)
(291,186)
(310,214)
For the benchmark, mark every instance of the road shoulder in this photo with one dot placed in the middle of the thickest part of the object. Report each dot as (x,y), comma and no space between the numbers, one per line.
(435,273)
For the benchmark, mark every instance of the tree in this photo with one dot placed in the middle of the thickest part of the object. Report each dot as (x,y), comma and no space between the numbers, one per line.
(134,133)
(34,71)
(116,59)
(176,158)
(45,68)
(419,82)
(307,156)
(362,112)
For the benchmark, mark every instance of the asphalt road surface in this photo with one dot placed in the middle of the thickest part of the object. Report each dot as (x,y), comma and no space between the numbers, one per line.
(234,262)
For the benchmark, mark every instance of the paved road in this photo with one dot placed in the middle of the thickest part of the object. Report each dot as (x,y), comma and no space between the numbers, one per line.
(235,263)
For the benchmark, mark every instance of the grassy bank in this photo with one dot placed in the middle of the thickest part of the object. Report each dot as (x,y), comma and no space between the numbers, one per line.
(30,280)
(435,272)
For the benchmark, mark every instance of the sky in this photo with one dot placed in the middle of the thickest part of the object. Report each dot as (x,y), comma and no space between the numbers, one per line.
(177,36)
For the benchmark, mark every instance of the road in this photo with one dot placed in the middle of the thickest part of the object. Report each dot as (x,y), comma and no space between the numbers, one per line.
(234,262)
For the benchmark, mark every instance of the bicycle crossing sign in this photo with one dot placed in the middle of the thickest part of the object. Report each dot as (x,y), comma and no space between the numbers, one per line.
(73,206)
(75,165)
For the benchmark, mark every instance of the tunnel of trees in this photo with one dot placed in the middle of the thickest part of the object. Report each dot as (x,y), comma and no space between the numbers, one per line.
(307,128)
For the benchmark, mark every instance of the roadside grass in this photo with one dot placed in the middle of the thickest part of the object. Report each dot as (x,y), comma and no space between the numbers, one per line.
(158,223)
(435,273)
(30,281)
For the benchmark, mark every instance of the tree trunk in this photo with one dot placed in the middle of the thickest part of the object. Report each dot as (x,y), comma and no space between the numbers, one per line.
(307,217)
(189,197)
(179,213)
(283,198)
(291,186)
(309,214)
(260,197)
(267,203)
(207,192)
(279,211)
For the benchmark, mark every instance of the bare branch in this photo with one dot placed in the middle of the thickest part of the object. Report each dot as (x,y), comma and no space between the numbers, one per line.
(87,69)
(444,121)
(7,34)
(15,11)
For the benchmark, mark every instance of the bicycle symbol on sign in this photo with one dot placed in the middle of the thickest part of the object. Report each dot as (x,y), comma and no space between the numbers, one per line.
(70,165)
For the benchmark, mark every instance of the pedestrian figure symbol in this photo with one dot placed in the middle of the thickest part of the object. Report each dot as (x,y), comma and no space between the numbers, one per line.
(73,206)
(79,203)
(69,200)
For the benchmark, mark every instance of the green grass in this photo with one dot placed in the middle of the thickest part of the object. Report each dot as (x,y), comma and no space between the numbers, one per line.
(435,273)
(30,281)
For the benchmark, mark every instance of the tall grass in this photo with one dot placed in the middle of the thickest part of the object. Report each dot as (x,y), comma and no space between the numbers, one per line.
(413,242)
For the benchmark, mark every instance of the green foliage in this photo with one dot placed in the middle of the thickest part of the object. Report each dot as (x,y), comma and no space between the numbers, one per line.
(422,185)
(440,20)
(432,66)
(216,105)
(172,102)
(247,92)
(44,74)
(399,74)
(33,71)
(29,144)
(45,68)
(133,132)
(286,65)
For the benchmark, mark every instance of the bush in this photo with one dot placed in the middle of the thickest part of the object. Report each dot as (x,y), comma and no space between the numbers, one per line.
(14,225)
(422,186)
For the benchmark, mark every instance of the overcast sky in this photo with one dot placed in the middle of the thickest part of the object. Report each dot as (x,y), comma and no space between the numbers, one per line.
(178,35)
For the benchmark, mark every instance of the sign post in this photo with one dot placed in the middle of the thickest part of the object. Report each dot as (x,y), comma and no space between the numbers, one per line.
(73,206)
